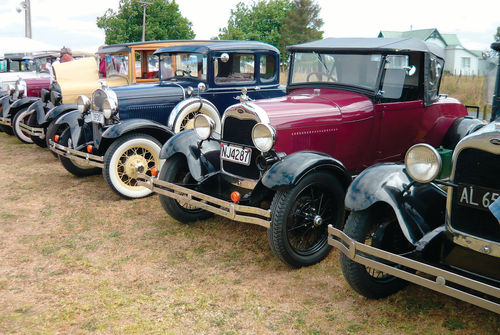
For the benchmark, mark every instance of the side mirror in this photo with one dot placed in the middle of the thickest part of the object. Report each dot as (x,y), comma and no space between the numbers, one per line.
(410,70)
(224,57)
(201,88)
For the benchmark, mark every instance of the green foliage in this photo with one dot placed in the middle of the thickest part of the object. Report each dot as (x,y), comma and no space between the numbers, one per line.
(277,22)
(497,36)
(163,21)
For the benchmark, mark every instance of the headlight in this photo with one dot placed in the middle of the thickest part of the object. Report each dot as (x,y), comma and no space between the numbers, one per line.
(263,137)
(203,126)
(100,95)
(108,108)
(83,103)
(20,86)
(423,163)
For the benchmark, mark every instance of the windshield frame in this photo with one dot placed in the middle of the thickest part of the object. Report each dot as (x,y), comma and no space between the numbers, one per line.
(363,89)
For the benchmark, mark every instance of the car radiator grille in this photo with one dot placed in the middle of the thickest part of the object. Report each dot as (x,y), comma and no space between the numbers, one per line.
(240,132)
(477,168)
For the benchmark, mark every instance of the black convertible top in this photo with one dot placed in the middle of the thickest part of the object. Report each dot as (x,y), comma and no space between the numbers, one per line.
(219,45)
(369,45)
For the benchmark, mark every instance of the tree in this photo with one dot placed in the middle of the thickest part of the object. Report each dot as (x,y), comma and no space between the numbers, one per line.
(302,23)
(260,21)
(497,36)
(163,21)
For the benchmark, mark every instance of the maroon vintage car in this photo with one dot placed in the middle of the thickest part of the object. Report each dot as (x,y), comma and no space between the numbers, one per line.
(285,163)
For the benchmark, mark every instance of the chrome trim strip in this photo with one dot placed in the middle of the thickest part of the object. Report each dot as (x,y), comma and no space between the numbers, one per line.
(33,131)
(249,88)
(357,251)
(209,203)
(80,157)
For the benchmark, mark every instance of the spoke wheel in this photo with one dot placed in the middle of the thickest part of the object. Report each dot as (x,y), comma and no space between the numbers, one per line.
(122,159)
(185,119)
(300,217)
(380,232)
(175,170)
(21,117)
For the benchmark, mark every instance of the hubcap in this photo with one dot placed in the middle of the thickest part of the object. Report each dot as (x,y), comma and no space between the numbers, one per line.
(318,220)
(131,165)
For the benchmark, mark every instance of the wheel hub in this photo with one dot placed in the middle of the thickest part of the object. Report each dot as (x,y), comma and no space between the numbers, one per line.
(318,220)
(132,163)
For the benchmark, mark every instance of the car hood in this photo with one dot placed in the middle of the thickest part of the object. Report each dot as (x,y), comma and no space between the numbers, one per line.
(308,107)
(153,91)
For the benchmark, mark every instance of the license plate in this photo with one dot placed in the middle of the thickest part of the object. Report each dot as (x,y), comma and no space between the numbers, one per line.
(97,117)
(476,197)
(235,154)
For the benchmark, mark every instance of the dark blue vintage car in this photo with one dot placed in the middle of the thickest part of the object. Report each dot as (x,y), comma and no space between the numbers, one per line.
(124,127)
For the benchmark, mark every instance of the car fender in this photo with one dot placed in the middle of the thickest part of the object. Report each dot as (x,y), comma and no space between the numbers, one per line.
(74,120)
(460,128)
(418,209)
(37,107)
(203,160)
(5,102)
(21,103)
(291,169)
(57,111)
(156,129)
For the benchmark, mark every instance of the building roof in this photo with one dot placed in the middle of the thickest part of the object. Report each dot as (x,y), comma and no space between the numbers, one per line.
(451,40)
(421,34)
(369,45)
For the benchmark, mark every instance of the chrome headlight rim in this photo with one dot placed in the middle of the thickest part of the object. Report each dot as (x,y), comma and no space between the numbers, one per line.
(203,126)
(83,103)
(108,108)
(263,137)
(411,162)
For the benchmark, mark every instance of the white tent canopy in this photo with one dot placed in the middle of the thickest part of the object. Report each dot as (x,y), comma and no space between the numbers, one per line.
(16,45)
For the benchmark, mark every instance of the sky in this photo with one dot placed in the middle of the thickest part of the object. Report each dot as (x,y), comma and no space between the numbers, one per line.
(72,23)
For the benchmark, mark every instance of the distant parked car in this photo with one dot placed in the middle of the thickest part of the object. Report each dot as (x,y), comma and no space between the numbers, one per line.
(285,163)
(121,127)
(83,76)
(405,219)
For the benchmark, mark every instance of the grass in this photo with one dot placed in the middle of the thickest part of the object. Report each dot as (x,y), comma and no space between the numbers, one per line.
(78,259)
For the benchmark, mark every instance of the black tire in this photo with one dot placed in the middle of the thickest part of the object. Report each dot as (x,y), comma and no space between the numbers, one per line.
(176,170)
(7,130)
(32,122)
(383,233)
(21,117)
(300,217)
(72,167)
(121,158)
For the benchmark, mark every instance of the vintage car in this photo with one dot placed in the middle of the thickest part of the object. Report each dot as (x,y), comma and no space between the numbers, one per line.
(408,225)
(285,163)
(122,127)
(120,64)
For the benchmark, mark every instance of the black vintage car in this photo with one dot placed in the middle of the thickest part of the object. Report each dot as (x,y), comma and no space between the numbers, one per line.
(404,220)
(120,128)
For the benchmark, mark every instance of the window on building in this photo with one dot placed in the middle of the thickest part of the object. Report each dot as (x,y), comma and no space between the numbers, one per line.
(466,63)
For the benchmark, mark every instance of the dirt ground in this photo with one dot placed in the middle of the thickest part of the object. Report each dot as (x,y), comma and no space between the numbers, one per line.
(76,259)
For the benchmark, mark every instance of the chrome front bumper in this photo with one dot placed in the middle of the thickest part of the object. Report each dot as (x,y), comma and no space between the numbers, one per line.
(240,213)
(77,156)
(33,131)
(365,255)
(5,121)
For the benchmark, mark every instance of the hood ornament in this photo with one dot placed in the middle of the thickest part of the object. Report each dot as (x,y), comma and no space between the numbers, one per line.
(243,98)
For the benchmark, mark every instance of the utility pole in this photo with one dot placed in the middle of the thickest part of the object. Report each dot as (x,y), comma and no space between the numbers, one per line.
(26,6)
(144,4)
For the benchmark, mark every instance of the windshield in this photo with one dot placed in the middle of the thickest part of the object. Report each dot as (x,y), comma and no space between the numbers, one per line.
(359,70)
(177,65)
(116,64)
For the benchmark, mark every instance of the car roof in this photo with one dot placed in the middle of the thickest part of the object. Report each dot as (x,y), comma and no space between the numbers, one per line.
(219,45)
(369,45)
(125,47)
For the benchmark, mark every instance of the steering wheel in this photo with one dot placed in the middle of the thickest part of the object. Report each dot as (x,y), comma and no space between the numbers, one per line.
(319,75)
(119,75)
(183,73)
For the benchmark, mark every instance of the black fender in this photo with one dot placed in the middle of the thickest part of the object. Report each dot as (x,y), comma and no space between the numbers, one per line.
(5,102)
(460,128)
(203,160)
(55,112)
(21,103)
(74,120)
(418,210)
(38,107)
(291,169)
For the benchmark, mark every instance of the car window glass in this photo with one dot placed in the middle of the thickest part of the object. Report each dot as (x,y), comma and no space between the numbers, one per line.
(3,65)
(116,65)
(178,65)
(267,68)
(401,78)
(345,69)
(239,68)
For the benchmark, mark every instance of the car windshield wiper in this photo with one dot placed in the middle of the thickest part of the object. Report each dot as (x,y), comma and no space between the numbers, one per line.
(321,61)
